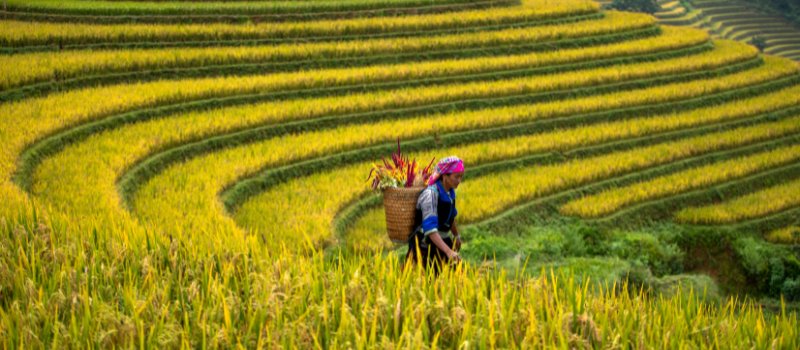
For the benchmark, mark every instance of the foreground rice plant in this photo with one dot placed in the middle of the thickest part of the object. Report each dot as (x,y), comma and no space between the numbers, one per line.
(70,291)
(753,205)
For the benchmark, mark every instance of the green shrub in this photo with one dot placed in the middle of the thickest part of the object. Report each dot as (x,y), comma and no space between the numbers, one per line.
(662,258)
(754,256)
(791,289)
(595,240)
(772,269)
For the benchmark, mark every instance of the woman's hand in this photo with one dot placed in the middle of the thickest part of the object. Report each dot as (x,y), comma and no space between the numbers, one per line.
(439,242)
(453,256)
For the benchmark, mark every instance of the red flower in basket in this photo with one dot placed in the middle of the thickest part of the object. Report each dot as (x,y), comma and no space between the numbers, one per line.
(400,172)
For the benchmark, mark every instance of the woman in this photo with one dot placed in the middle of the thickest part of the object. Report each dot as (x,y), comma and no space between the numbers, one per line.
(436,239)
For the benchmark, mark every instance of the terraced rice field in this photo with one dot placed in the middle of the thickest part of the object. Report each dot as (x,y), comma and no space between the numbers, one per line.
(736,21)
(192,173)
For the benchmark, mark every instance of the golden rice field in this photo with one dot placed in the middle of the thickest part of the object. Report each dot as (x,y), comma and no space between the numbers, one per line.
(192,174)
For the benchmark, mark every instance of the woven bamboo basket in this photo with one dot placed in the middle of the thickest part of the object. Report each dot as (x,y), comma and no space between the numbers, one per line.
(400,204)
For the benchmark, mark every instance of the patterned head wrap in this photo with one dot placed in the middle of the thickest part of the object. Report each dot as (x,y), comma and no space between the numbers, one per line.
(448,165)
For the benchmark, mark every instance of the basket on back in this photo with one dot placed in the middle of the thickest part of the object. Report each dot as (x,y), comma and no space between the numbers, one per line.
(401,181)
(400,204)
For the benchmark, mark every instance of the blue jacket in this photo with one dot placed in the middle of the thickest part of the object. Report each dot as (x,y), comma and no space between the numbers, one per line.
(436,210)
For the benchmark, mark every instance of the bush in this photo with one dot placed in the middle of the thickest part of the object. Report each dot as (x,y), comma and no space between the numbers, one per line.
(661,258)
(791,289)
(754,257)
(771,268)
(595,240)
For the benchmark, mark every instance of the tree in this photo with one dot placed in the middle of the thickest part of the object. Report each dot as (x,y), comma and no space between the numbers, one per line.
(759,42)
(646,6)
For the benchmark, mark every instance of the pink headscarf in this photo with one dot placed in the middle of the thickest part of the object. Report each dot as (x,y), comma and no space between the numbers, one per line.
(445,166)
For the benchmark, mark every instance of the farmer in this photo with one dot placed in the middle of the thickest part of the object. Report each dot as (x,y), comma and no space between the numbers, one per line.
(436,239)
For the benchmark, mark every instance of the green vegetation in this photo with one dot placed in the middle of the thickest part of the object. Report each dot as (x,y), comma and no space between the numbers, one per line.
(787,8)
